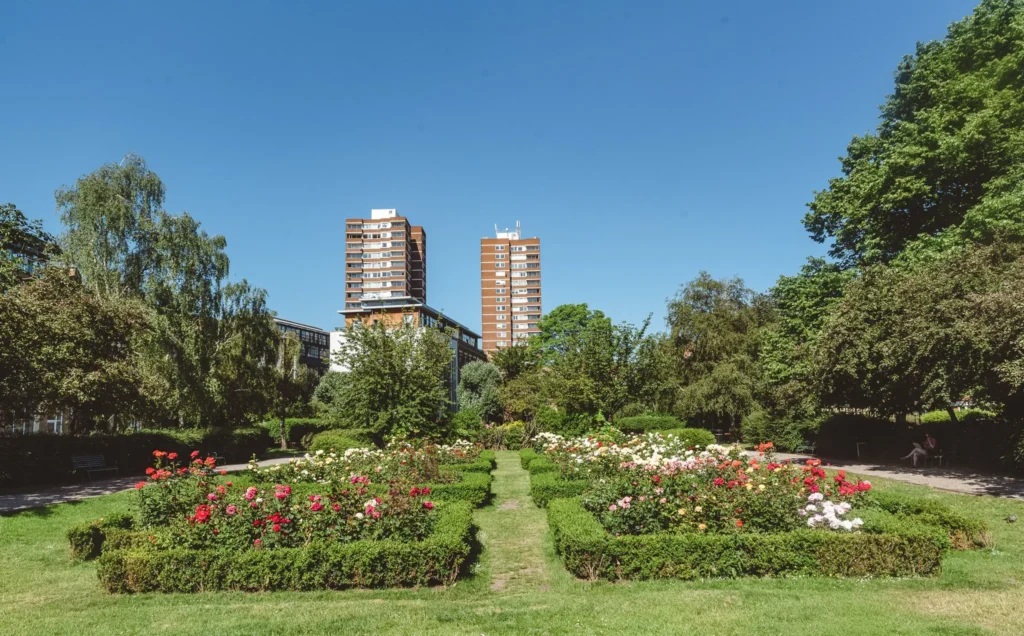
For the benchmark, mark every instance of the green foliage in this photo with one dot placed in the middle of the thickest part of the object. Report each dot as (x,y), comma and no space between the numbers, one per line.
(788,433)
(293,383)
(591,553)
(370,563)
(396,380)
(63,348)
(526,456)
(909,339)
(964,415)
(297,429)
(511,436)
(644,423)
(33,460)
(946,165)
(962,531)
(23,246)
(337,440)
(513,362)
(478,390)
(547,485)
(712,348)
(87,539)
(326,394)
(691,436)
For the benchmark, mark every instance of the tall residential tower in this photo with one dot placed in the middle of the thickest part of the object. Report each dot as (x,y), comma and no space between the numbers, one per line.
(385,258)
(509,288)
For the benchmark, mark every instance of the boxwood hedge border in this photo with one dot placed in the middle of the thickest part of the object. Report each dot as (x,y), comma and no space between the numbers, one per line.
(438,559)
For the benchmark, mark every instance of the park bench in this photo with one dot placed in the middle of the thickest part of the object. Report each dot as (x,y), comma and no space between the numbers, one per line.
(91,464)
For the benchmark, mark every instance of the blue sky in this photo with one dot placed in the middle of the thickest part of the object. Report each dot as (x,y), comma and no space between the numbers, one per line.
(643,142)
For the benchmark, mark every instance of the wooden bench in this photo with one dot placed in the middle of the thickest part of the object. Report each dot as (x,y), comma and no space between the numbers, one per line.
(91,464)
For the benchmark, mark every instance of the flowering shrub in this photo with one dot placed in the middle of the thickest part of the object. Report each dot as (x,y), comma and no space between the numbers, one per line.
(716,492)
(172,489)
(400,462)
(269,518)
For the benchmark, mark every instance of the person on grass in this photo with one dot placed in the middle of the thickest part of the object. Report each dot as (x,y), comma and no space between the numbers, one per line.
(922,451)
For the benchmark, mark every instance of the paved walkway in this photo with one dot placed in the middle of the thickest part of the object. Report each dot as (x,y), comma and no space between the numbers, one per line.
(951,479)
(76,492)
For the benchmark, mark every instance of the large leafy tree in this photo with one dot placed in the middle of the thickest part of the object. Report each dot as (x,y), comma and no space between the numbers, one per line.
(23,245)
(600,367)
(801,304)
(561,329)
(479,390)
(396,379)
(712,342)
(914,338)
(946,166)
(127,246)
(64,348)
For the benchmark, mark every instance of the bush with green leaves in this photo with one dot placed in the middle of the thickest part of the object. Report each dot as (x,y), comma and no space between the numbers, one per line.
(590,552)
(964,416)
(337,440)
(371,563)
(87,539)
(644,423)
(789,434)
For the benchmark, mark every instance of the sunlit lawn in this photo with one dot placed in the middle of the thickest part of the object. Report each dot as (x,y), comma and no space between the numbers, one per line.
(518,586)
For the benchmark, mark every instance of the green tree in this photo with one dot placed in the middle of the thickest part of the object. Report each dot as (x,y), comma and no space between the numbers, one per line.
(514,361)
(479,390)
(946,165)
(23,245)
(396,379)
(919,338)
(126,246)
(63,348)
(326,394)
(561,328)
(294,382)
(712,341)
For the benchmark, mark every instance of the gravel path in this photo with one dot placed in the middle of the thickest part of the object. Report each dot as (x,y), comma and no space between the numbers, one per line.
(950,479)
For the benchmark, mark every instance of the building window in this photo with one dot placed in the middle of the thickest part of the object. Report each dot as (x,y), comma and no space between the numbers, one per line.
(502,343)
(501,325)
(501,316)
(518,265)
(499,248)
(499,299)
(499,308)
(499,257)
(500,265)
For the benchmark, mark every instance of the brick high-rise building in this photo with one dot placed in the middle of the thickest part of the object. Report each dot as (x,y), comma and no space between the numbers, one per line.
(509,288)
(385,260)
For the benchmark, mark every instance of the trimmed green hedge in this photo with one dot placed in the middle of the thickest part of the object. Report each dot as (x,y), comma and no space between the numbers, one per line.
(692,436)
(645,423)
(337,440)
(369,564)
(541,465)
(545,487)
(526,456)
(589,552)
(38,459)
(485,463)
(87,539)
(962,531)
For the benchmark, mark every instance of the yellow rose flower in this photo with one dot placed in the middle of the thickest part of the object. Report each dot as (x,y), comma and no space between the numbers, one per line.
(761,487)
(702,527)
(682,511)
(698,509)
(750,486)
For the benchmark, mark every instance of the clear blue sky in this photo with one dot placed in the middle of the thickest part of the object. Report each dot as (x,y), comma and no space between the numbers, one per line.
(642,142)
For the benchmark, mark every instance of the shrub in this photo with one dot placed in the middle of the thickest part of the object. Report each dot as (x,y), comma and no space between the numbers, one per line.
(337,440)
(86,539)
(511,436)
(369,563)
(692,436)
(546,487)
(39,459)
(965,416)
(526,456)
(961,530)
(644,423)
(590,552)
(541,465)
(484,463)
(787,433)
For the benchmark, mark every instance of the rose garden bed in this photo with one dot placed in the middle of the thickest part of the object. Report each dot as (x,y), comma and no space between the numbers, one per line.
(194,528)
(646,508)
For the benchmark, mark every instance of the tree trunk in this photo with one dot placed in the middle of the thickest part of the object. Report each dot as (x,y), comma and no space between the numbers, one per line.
(952,415)
(284,435)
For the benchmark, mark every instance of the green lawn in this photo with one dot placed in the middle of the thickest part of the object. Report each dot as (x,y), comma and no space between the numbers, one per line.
(518,586)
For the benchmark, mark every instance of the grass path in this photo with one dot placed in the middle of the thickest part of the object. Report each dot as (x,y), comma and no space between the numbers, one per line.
(512,532)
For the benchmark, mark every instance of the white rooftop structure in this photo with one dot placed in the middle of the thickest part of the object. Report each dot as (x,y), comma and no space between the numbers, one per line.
(383,213)
(512,235)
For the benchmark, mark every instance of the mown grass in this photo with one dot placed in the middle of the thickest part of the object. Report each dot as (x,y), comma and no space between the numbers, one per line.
(519,587)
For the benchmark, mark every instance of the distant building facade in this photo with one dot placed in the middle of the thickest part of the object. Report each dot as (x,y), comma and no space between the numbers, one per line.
(385,260)
(316,344)
(510,290)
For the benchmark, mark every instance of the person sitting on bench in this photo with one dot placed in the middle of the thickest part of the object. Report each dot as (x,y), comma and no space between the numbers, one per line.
(922,452)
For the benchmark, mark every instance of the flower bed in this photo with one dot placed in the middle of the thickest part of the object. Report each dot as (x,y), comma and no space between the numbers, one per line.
(373,562)
(591,552)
